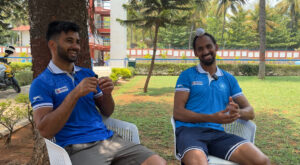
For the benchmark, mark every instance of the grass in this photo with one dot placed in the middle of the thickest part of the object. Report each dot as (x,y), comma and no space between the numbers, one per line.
(276,102)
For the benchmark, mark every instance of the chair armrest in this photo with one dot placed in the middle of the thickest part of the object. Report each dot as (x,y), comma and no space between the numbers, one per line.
(127,130)
(242,128)
(57,154)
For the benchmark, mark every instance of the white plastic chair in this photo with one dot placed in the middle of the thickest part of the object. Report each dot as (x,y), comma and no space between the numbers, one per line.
(128,131)
(242,128)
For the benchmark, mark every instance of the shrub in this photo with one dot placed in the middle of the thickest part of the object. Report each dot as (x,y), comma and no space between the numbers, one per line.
(24,77)
(123,73)
(24,98)
(132,70)
(114,77)
(147,56)
(9,116)
(19,66)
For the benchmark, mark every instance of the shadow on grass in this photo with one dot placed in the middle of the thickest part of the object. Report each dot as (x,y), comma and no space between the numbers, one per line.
(278,138)
(157,91)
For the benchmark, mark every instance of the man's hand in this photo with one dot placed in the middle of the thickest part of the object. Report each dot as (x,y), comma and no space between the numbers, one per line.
(229,115)
(106,85)
(234,108)
(86,86)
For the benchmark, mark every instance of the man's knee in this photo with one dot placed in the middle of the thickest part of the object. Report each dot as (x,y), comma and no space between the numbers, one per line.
(249,154)
(262,160)
(195,157)
(155,160)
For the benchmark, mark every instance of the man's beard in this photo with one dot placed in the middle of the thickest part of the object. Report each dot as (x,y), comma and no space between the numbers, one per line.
(64,54)
(208,62)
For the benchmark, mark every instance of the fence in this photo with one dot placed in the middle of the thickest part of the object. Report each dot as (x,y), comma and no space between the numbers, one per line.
(224,54)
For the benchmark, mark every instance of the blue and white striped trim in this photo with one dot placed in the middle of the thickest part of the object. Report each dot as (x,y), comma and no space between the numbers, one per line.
(189,149)
(232,149)
(98,95)
(182,89)
(237,95)
(42,105)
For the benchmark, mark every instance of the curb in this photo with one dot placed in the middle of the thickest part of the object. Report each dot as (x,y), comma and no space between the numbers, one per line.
(22,123)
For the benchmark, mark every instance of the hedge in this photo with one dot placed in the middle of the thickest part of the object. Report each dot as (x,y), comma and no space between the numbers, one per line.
(172,69)
(20,66)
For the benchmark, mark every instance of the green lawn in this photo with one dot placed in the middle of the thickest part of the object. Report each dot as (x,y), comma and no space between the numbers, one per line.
(276,102)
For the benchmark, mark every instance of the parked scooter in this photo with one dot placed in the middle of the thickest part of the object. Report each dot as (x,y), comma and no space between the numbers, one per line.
(7,77)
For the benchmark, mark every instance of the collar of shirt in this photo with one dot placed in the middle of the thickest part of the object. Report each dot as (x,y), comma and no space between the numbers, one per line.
(201,70)
(56,70)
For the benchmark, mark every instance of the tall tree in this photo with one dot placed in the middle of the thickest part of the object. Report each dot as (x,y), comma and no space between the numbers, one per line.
(42,12)
(156,14)
(292,8)
(223,7)
(197,18)
(12,13)
(262,34)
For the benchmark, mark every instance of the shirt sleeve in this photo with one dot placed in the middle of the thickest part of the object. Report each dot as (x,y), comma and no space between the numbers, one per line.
(40,95)
(183,83)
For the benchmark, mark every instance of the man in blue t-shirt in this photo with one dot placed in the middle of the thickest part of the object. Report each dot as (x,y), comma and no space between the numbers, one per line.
(64,99)
(206,97)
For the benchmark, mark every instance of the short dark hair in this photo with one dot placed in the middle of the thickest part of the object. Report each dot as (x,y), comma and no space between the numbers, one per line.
(56,27)
(207,34)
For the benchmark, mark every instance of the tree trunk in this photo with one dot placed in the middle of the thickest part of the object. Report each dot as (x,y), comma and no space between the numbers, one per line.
(294,19)
(262,34)
(40,154)
(191,35)
(131,37)
(153,59)
(41,13)
(223,28)
(8,138)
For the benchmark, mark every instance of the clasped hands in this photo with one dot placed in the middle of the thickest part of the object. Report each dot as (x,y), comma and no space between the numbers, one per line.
(89,84)
(229,114)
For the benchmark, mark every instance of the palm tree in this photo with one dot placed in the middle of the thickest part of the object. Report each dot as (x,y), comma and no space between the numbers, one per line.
(262,34)
(156,14)
(198,14)
(254,16)
(292,8)
(223,6)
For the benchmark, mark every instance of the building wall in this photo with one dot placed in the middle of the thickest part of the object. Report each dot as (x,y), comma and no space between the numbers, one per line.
(25,38)
(118,34)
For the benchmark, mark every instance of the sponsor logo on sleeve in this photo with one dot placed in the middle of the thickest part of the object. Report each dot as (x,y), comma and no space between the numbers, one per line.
(179,86)
(37,98)
(197,83)
(61,90)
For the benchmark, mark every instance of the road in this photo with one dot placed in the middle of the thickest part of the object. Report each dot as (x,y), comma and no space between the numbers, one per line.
(11,93)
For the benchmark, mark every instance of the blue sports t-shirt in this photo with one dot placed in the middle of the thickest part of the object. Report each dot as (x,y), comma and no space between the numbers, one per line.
(85,124)
(206,95)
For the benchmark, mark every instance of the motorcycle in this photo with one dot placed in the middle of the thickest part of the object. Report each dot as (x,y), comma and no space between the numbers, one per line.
(7,77)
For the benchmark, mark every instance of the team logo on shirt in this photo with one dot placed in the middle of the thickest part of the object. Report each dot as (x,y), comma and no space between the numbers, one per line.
(222,86)
(61,90)
(197,83)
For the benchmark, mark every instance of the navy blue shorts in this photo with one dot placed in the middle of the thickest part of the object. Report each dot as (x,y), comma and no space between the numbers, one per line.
(211,141)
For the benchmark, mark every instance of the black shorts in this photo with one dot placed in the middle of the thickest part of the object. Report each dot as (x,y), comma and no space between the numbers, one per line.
(210,141)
